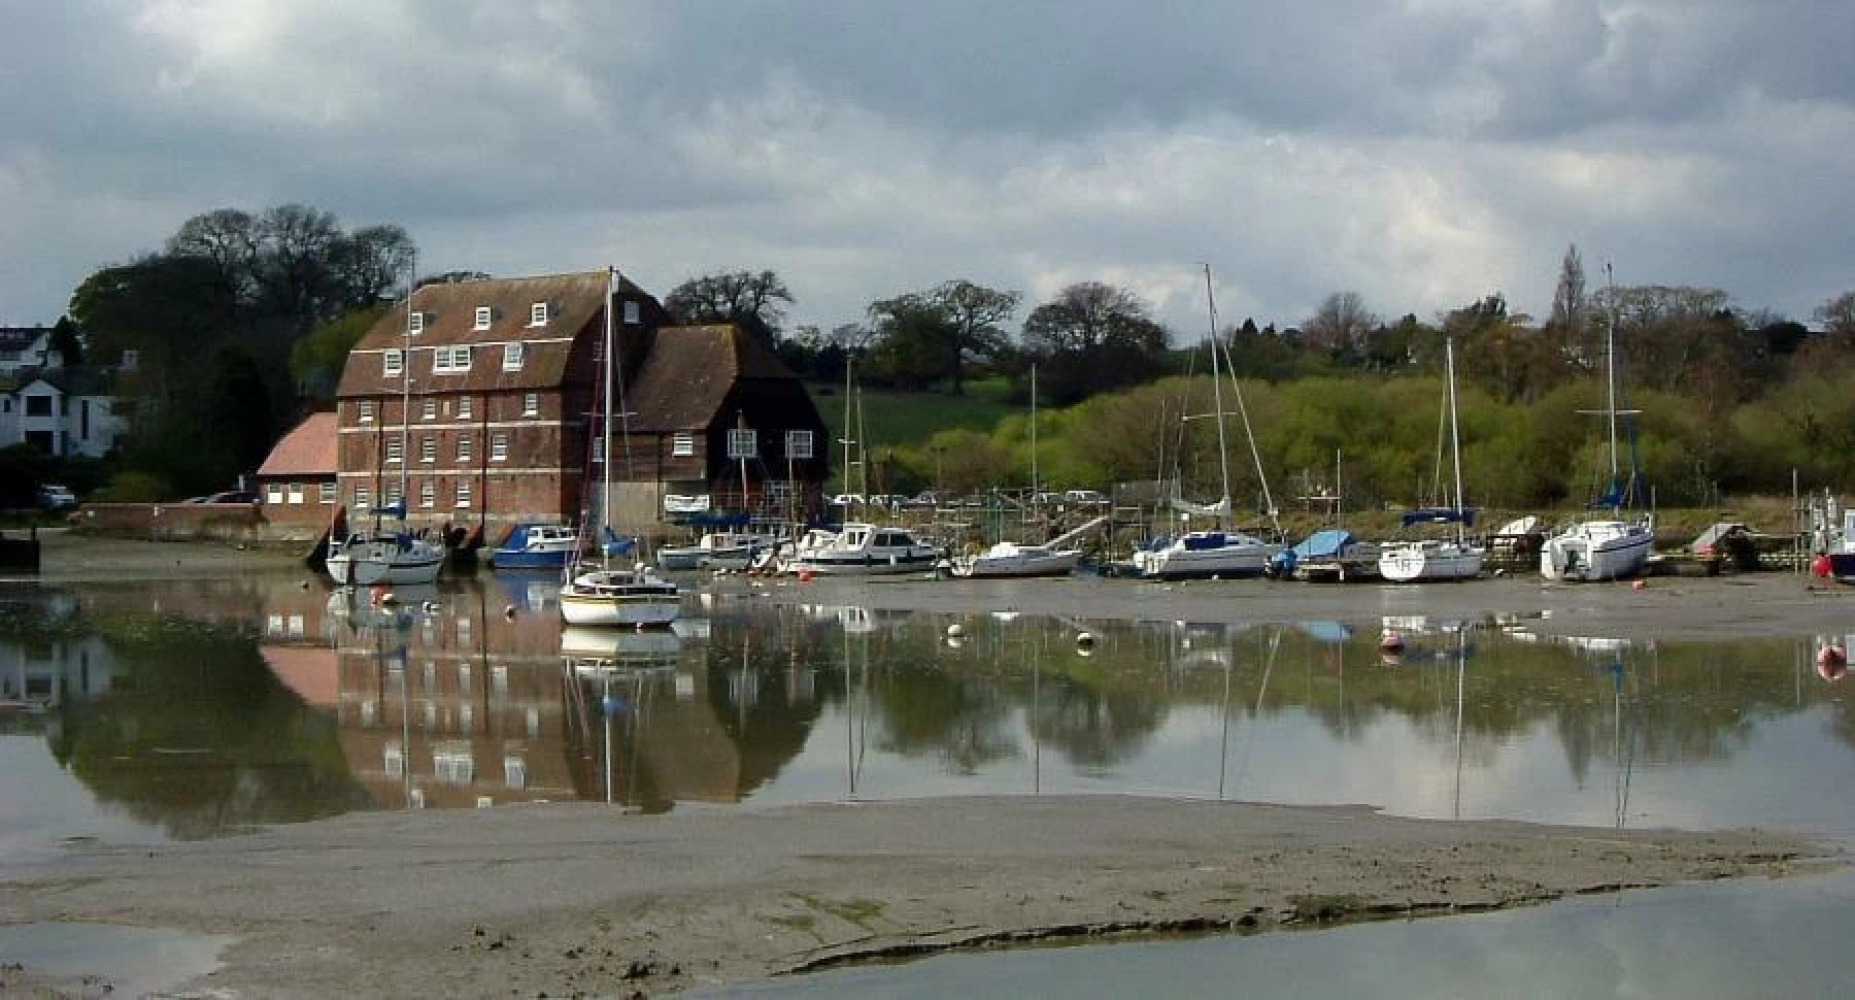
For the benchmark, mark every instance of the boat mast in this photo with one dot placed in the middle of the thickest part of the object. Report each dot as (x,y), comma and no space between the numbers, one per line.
(405,398)
(606,366)
(1236,388)
(1226,507)
(1610,372)
(1455,441)
(1035,502)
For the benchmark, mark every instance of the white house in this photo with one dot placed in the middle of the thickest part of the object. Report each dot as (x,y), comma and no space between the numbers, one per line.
(59,409)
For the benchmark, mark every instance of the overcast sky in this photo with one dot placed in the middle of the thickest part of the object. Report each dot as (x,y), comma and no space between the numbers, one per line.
(1423,153)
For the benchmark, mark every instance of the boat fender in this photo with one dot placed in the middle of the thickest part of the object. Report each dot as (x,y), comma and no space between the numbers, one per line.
(1832,661)
(1391,642)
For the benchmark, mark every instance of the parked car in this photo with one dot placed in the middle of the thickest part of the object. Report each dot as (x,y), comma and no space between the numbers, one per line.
(52,496)
(1085,498)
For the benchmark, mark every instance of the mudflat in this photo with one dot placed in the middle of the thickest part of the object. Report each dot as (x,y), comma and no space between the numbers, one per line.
(581,899)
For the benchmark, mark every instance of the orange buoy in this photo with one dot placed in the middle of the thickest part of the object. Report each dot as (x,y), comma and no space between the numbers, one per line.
(1832,661)
(1821,566)
(805,576)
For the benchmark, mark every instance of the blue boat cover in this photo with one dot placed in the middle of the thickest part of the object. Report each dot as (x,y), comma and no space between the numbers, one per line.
(1319,545)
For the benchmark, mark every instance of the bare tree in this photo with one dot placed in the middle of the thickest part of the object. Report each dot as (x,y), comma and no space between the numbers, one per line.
(1569,321)
(751,298)
(1838,314)
(1341,324)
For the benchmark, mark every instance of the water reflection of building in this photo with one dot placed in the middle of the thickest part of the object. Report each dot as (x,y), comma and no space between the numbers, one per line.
(466,697)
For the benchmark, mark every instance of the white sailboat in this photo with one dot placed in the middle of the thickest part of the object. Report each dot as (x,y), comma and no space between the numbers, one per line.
(596,591)
(389,556)
(1057,557)
(1220,553)
(1603,548)
(1437,558)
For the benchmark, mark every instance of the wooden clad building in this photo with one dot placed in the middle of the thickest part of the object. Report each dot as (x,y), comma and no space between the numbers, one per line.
(480,397)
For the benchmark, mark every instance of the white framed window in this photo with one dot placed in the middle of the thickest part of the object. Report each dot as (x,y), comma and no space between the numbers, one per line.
(416,323)
(531,404)
(428,494)
(463,407)
(273,493)
(463,448)
(682,444)
(798,444)
(537,314)
(514,772)
(631,313)
(463,494)
(499,447)
(483,318)
(451,360)
(392,449)
(392,363)
(512,356)
(363,498)
(296,492)
(393,495)
(431,409)
(367,411)
(428,450)
(743,443)
(328,493)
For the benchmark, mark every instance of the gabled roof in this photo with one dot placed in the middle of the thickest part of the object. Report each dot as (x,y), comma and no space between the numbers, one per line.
(448,314)
(308,450)
(18,338)
(79,380)
(686,377)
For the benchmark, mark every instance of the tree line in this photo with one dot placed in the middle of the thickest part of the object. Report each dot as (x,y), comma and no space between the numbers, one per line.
(241,323)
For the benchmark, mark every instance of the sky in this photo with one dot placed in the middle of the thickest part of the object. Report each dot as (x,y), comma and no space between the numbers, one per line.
(1422,153)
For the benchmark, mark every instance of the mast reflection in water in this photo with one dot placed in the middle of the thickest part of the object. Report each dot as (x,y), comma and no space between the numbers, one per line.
(192,709)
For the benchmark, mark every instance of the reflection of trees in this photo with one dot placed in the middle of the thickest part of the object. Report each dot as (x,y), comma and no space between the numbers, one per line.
(752,677)
(1096,728)
(961,721)
(199,737)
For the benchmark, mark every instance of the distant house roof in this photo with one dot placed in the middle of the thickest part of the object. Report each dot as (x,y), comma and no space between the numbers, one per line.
(448,314)
(77,380)
(18,338)
(690,369)
(309,450)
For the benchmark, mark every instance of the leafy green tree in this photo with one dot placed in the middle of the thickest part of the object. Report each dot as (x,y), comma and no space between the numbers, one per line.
(926,337)
(1090,338)
(751,298)
(317,360)
(66,342)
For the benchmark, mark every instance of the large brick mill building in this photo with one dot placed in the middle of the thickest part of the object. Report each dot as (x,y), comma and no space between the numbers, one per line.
(481,397)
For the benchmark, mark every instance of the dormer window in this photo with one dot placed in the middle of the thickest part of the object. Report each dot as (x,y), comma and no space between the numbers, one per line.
(416,323)
(512,356)
(483,318)
(393,363)
(537,314)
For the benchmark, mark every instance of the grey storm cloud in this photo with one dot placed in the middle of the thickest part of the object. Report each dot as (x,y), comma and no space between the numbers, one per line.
(1421,152)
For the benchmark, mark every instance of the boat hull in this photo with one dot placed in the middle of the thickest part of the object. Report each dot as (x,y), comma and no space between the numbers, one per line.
(619,598)
(1597,550)
(828,564)
(1239,559)
(1020,564)
(389,561)
(1426,562)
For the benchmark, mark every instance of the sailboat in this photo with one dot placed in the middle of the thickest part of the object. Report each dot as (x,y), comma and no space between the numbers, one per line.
(595,590)
(1057,557)
(388,555)
(1603,548)
(1220,552)
(1437,558)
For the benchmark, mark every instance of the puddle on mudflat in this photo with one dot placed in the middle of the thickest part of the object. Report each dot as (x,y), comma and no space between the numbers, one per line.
(190,709)
(1748,938)
(107,960)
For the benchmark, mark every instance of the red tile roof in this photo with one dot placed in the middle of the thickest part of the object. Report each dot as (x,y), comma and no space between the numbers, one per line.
(687,376)
(309,450)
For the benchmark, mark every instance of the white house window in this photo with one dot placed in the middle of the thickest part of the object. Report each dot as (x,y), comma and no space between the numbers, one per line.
(451,360)
(428,494)
(514,772)
(463,449)
(682,444)
(273,494)
(431,409)
(531,404)
(367,411)
(499,447)
(392,449)
(363,498)
(416,323)
(743,443)
(394,362)
(512,357)
(537,314)
(463,407)
(798,444)
(296,492)
(483,318)
(463,494)
(328,493)
(428,449)
(631,313)
(393,495)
